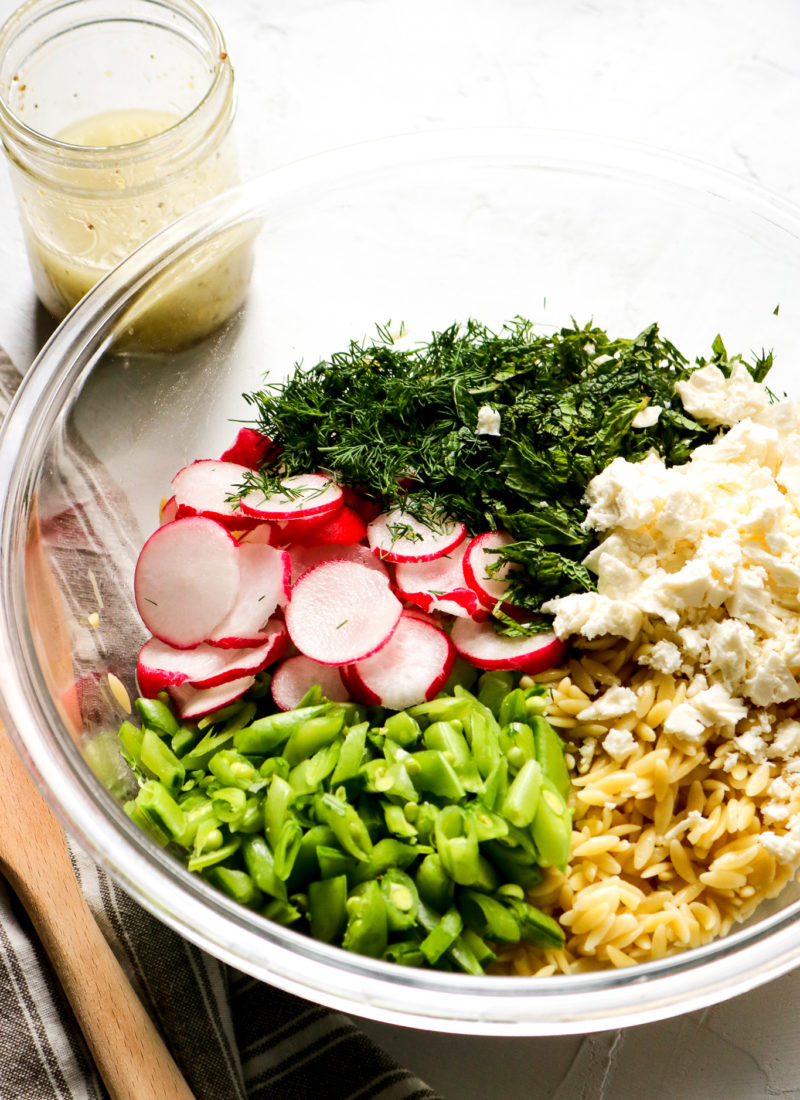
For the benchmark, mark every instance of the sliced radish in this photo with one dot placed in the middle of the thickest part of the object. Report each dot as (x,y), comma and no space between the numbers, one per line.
(301,495)
(366,508)
(161,666)
(411,668)
(341,611)
(490,587)
(343,527)
(251,449)
(186,580)
(306,557)
(203,487)
(302,529)
(168,511)
(398,536)
(478,644)
(264,585)
(294,676)
(439,585)
(196,702)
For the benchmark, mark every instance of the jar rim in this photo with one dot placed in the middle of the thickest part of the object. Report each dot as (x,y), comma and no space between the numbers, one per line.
(66,154)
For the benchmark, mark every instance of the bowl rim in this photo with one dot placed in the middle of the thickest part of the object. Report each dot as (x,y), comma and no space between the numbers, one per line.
(298,964)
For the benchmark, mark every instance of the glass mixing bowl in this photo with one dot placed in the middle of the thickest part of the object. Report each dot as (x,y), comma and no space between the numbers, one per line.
(423,230)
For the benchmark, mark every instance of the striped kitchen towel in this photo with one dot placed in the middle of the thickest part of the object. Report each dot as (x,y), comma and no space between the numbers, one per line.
(233,1037)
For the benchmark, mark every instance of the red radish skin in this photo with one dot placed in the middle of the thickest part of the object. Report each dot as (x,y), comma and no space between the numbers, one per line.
(302,529)
(251,449)
(341,612)
(306,495)
(202,489)
(489,588)
(306,557)
(478,644)
(411,668)
(294,676)
(265,582)
(398,537)
(439,585)
(343,527)
(186,580)
(366,508)
(160,666)
(197,702)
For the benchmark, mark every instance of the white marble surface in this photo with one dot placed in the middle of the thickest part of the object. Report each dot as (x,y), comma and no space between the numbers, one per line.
(712,79)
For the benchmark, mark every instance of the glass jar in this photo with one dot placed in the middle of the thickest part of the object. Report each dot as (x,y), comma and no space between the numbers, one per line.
(116,118)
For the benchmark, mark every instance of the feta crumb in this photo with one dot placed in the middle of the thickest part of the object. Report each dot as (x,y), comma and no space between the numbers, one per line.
(786,742)
(709,396)
(586,752)
(647,417)
(786,849)
(664,657)
(614,703)
(488,421)
(619,743)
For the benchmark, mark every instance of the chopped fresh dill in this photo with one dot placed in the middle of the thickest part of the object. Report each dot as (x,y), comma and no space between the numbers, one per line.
(566,400)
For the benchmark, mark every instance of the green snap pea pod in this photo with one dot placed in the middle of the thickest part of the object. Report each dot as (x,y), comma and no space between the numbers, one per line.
(496,785)
(405,953)
(488,917)
(351,755)
(234,716)
(535,926)
(431,771)
(425,821)
(522,798)
(401,899)
(131,738)
(287,847)
(397,821)
(443,709)
(442,937)
(449,739)
(313,735)
(347,825)
(479,948)
(493,687)
(366,932)
(260,863)
(487,878)
(523,838)
(402,729)
(513,708)
(332,861)
(488,825)
(456,841)
(155,832)
(184,739)
(197,758)
(207,836)
(462,675)
(208,859)
(306,865)
(281,911)
(157,804)
(327,899)
(232,769)
(484,740)
(157,716)
(536,701)
(550,754)
(267,734)
(514,864)
(552,827)
(102,754)
(389,780)
(460,951)
(252,820)
(307,776)
(280,796)
(236,884)
(434,886)
(274,765)
(386,853)
(369,810)
(517,743)
(229,805)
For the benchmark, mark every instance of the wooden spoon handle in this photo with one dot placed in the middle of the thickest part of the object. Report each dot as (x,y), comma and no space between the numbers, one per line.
(127,1049)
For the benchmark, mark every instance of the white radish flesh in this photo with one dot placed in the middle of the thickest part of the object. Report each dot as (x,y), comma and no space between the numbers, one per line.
(186,580)
(439,585)
(265,579)
(341,611)
(490,587)
(294,676)
(195,702)
(160,666)
(203,487)
(478,644)
(411,668)
(306,557)
(397,536)
(302,496)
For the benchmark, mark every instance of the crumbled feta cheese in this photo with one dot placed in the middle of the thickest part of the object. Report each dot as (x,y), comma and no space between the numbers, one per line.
(619,743)
(614,703)
(593,615)
(786,849)
(709,396)
(647,417)
(488,421)
(786,740)
(664,657)
(585,754)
